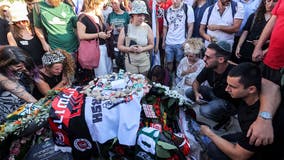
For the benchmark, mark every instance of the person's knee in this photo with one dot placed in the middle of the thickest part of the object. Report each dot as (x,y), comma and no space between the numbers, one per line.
(189,94)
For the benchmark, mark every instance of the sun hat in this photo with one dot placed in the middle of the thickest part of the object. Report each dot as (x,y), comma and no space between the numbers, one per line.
(193,45)
(138,7)
(19,17)
(19,12)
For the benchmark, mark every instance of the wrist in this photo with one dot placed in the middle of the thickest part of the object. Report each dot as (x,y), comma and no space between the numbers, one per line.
(265,115)
(99,34)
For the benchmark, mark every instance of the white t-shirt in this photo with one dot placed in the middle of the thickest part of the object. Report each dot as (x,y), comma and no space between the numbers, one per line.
(176,24)
(226,20)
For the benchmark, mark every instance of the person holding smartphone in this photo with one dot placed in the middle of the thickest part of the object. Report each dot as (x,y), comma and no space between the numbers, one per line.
(136,40)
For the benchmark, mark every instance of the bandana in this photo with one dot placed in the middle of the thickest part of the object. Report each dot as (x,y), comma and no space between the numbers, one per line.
(51,58)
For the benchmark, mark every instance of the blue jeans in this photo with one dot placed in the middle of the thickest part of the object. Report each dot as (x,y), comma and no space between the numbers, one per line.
(216,109)
(174,52)
(215,153)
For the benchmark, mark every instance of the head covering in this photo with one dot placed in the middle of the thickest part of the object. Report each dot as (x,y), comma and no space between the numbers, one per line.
(193,45)
(224,46)
(138,7)
(50,58)
(19,17)
(19,12)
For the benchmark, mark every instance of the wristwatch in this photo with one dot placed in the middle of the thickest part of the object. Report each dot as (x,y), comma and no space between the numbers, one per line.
(265,115)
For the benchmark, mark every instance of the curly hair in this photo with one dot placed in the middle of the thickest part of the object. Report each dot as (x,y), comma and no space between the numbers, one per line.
(68,63)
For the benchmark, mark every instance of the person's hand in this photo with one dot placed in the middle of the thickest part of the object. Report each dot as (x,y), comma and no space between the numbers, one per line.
(213,27)
(64,80)
(191,69)
(46,47)
(208,38)
(257,54)
(205,130)
(237,52)
(104,35)
(133,48)
(156,49)
(261,132)
(198,96)
(163,45)
(139,49)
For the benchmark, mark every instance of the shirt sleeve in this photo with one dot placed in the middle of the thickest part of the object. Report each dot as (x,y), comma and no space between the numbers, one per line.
(240,11)
(36,16)
(202,76)
(190,14)
(204,17)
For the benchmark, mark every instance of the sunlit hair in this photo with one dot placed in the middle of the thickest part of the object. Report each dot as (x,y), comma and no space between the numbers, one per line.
(11,55)
(2,15)
(54,3)
(68,63)
(93,5)
(16,30)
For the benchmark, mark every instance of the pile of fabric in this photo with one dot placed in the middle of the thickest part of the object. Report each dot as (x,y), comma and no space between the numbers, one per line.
(116,116)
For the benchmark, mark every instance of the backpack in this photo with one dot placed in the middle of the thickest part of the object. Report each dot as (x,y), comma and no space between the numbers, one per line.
(184,8)
(233,6)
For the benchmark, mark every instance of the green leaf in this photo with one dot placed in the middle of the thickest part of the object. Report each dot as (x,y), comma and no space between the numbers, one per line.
(166,146)
(162,153)
(171,102)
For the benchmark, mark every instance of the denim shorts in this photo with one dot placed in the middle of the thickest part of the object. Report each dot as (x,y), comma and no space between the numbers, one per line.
(174,52)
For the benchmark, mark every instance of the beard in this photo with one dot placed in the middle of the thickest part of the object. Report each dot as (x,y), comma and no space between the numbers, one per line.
(54,3)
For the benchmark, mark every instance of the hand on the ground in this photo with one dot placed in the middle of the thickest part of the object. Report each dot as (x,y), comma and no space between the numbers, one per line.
(261,132)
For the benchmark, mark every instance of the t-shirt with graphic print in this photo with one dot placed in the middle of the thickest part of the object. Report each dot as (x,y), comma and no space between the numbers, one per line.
(176,24)
(118,21)
(59,23)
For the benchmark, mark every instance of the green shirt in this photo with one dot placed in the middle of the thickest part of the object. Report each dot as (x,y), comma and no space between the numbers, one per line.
(59,24)
(118,21)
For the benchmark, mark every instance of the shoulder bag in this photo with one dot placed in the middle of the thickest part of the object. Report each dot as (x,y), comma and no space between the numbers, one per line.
(89,51)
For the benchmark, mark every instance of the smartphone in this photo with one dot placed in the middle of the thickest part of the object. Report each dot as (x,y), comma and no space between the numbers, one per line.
(132,43)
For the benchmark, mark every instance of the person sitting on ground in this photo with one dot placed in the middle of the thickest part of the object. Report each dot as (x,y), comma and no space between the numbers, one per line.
(14,64)
(191,65)
(158,74)
(244,82)
(57,72)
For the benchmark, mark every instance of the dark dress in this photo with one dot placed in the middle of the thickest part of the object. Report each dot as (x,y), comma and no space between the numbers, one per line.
(4,29)
(51,81)
(33,47)
(254,28)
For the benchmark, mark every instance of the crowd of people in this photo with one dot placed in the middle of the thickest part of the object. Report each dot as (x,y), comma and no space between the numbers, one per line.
(226,55)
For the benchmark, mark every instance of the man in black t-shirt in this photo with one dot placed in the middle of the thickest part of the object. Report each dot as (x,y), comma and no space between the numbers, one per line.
(219,104)
(244,81)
